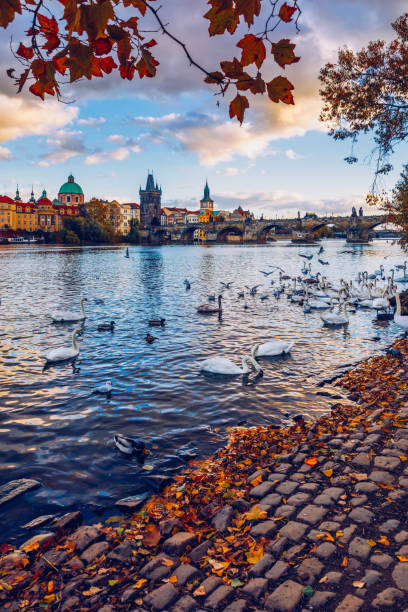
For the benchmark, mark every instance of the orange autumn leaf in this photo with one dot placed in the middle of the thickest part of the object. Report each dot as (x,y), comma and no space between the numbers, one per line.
(255,513)
(152,536)
(311,461)
(344,563)
(328,473)
(139,583)
(256,481)
(199,592)
(383,540)
(173,579)
(286,12)
(402,558)
(254,554)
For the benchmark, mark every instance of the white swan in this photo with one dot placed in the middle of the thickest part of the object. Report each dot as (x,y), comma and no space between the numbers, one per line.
(271,348)
(221,365)
(61,316)
(381,303)
(399,319)
(336,318)
(64,352)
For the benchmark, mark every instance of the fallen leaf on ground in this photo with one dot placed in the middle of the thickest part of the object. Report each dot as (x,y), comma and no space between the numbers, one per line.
(358,584)
(328,473)
(311,461)
(139,583)
(255,513)
(92,591)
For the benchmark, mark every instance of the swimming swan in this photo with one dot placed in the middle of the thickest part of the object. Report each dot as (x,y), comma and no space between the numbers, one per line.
(221,365)
(272,348)
(61,316)
(336,318)
(63,353)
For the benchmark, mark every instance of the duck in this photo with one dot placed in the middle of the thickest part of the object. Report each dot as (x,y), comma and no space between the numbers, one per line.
(62,316)
(63,353)
(106,326)
(208,309)
(129,446)
(221,365)
(272,348)
(104,388)
(336,318)
(149,338)
(157,322)
(399,319)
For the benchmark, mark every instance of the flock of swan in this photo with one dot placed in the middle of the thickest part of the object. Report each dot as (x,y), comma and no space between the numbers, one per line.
(310,291)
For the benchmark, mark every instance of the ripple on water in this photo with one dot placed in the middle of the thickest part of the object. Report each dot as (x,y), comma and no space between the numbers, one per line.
(54,429)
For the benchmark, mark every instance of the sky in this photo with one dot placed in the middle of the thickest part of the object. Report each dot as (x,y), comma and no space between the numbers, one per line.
(112,132)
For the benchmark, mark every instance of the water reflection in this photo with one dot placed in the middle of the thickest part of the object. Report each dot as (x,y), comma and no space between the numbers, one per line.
(55,429)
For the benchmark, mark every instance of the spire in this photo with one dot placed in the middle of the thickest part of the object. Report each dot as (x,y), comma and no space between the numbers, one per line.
(17,198)
(32,198)
(206,191)
(44,194)
(150,182)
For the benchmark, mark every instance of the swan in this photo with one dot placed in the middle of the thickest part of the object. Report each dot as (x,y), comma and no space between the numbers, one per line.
(399,319)
(64,352)
(381,303)
(208,309)
(336,318)
(221,365)
(61,316)
(271,349)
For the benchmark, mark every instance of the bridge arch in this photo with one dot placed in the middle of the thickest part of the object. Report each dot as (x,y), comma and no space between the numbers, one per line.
(230,230)
(161,235)
(262,234)
(187,235)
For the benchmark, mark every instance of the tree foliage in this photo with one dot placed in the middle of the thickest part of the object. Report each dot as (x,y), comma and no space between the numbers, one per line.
(76,39)
(396,206)
(367,92)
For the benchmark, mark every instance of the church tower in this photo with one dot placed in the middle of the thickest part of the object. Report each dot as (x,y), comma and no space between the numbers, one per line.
(206,203)
(150,203)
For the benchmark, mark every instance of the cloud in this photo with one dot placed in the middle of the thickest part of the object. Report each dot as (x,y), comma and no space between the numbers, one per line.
(121,141)
(293,155)
(21,117)
(92,121)
(65,145)
(230,172)
(5,154)
(286,203)
(116,155)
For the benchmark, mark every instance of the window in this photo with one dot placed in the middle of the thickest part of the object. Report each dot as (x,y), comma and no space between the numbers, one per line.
(68,198)
(18,208)
(77,199)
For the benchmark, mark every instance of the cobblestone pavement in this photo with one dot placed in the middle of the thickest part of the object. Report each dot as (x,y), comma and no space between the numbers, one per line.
(331,516)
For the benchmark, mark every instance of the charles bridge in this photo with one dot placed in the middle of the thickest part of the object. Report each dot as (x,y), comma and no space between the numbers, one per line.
(357,228)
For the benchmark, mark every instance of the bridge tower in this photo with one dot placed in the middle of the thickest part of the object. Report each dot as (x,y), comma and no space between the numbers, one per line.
(150,203)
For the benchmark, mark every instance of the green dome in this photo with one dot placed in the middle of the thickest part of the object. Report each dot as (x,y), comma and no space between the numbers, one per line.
(71,187)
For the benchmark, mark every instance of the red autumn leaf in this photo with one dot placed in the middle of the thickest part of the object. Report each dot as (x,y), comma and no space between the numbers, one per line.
(286,12)
(214,78)
(253,50)
(139,4)
(40,89)
(107,64)
(8,10)
(249,9)
(60,64)
(232,69)
(151,43)
(279,89)
(221,20)
(283,52)
(146,66)
(127,71)
(311,461)
(26,52)
(102,46)
(124,49)
(22,79)
(47,25)
(52,43)
(238,107)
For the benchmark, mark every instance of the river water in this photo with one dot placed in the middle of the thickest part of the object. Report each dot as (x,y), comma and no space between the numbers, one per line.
(52,428)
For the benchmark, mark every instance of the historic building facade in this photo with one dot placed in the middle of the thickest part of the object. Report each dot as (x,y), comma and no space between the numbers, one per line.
(150,203)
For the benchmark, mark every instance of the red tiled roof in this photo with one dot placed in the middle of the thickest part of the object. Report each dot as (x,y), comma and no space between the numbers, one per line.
(5,199)
(44,201)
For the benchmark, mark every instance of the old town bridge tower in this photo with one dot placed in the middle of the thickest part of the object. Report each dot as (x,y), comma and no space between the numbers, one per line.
(150,203)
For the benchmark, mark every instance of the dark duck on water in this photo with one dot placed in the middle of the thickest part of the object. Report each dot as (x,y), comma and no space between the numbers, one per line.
(130,447)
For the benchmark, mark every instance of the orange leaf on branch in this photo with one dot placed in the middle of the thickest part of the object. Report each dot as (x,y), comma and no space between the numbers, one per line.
(286,12)
(232,70)
(279,89)
(8,10)
(248,9)
(102,46)
(139,4)
(238,107)
(221,20)
(25,52)
(146,66)
(283,52)
(253,50)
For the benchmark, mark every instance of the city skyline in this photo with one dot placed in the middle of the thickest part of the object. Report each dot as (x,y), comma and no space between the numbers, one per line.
(279,162)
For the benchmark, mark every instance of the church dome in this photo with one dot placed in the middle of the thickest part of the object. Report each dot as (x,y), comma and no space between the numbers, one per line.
(71,187)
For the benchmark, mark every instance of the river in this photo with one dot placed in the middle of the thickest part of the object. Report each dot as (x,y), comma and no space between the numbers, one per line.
(55,430)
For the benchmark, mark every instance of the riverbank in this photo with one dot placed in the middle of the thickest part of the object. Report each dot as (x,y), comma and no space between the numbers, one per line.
(309,517)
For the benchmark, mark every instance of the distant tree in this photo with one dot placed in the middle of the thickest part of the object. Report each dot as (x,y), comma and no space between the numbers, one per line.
(134,235)
(92,38)
(367,92)
(71,238)
(96,210)
(396,206)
